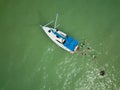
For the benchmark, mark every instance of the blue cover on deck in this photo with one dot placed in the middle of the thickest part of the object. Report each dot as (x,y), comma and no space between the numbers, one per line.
(70,43)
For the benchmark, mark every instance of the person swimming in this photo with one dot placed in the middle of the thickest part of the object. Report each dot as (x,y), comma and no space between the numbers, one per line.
(102,72)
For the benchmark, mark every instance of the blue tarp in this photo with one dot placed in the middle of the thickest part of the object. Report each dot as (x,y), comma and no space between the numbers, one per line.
(70,43)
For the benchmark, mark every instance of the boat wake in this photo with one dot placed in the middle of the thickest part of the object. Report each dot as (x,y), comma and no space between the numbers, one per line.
(79,71)
(82,72)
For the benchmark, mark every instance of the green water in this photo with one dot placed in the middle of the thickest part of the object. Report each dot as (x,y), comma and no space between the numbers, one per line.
(29,60)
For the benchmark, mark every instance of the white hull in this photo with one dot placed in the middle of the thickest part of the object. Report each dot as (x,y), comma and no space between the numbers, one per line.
(52,33)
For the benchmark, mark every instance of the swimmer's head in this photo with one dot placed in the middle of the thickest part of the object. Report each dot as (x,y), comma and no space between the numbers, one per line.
(102,72)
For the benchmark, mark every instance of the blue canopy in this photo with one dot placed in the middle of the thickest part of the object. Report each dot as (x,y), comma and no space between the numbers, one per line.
(70,43)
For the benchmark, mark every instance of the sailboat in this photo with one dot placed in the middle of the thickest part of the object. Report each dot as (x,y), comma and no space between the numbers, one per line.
(60,38)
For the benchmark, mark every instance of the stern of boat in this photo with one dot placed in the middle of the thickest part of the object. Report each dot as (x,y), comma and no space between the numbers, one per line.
(76,48)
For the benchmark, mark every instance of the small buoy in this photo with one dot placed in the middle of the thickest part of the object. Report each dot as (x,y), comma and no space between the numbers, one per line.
(102,73)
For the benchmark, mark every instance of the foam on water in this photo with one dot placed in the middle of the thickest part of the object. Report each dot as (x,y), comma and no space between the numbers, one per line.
(72,75)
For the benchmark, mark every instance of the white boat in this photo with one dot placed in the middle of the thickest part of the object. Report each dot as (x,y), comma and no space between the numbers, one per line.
(60,38)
